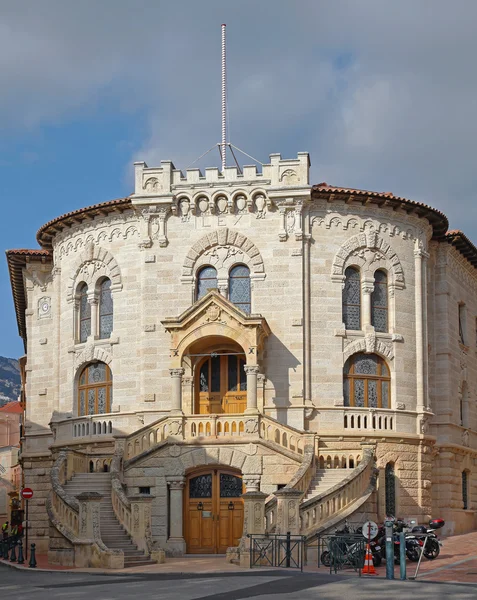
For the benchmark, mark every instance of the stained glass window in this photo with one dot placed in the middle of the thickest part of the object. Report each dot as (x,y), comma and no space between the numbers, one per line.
(239,288)
(236,376)
(366,381)
(105,310)
(84,313)
(207,280)
(230,486)
(201,486)
(379,302)
(204,377)
(95,389)
(351,299)
(390,488)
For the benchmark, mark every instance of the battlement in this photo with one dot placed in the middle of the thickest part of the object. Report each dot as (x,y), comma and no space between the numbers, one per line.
(167,180)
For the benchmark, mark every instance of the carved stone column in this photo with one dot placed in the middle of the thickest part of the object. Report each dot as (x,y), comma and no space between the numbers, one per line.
(252,373)
(421,326)
(176,542)
(141,521)
(288,511)
(253,522)
(367,288)
(282,233)
(89,515)
(176,395)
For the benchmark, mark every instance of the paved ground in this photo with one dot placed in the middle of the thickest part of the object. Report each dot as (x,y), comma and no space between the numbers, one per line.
(457,563)
(25,585)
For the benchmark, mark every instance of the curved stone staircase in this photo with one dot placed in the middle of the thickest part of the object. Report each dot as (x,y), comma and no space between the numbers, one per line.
(112,533)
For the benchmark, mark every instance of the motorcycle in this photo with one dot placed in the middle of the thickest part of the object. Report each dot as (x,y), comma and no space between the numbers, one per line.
(352,551)
(433,545)
(412,545)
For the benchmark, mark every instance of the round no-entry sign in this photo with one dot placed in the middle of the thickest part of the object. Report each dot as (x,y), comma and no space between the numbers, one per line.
(27,493)
(370,530)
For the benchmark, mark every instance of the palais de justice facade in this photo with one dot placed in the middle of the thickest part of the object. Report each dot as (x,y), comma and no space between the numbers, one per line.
(236,352)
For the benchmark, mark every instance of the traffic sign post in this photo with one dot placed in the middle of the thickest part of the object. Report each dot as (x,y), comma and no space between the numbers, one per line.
(27,494)
(370,530)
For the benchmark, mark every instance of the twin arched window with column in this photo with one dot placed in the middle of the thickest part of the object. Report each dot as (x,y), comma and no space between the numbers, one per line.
(238,285)
(366,382)
(101,322)
(352,305)
(95,391)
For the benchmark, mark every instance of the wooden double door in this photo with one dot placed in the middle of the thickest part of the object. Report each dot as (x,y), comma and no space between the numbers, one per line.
(221,385)
(213,511)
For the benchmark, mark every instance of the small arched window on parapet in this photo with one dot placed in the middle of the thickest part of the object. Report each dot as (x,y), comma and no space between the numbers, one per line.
(105,309)
(379,302)
(366,382)
(240,288)
(206,280)
(84,313)
(351,299)
(95,390)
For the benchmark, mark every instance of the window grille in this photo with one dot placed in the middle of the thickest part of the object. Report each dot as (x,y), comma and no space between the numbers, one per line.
(366,382)
(84,314)
(95,390)
(379,302)
(465,482)
(105,310)
(206,280)
(351,299)
(239,288)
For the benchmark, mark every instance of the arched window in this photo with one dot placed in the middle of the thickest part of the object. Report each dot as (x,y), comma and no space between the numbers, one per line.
(206,280)
(105,310)
(84,325)
(465,490)
(351,299)
(379,302)
(239,288)
(95,392)
(366,382)
(390,489)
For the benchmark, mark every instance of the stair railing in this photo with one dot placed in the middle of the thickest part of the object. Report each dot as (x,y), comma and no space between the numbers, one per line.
(78,520)
(133,512)
(328,508)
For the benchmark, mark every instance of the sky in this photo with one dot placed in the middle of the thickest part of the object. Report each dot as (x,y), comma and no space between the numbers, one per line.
(383,95)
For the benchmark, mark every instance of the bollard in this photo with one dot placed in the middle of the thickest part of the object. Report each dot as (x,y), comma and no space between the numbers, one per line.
(389,550)
(13,556)
(32,564)
(402,555)
(20,553)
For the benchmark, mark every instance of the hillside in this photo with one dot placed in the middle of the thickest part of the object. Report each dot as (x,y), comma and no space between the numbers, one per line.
(9,380)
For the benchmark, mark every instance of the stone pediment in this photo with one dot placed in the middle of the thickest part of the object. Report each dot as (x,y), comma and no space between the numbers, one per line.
(214,315)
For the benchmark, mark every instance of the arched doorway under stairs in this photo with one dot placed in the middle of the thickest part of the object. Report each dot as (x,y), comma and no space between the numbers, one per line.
(213,510)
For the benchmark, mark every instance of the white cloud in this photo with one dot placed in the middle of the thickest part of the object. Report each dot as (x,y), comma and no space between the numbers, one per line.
(397,114)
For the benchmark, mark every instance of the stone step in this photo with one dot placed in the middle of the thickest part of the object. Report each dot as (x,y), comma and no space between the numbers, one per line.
(139,564)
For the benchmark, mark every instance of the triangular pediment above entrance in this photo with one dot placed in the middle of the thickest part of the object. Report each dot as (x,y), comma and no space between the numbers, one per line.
(214,315)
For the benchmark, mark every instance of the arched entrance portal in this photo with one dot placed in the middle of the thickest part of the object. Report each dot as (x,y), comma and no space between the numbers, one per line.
(220,380)
(213,510)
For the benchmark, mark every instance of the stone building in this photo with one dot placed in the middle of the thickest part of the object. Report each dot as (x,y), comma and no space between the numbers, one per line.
(10,472)
(230,332)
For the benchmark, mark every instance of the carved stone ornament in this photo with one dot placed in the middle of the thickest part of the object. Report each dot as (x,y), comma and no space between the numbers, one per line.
(213,313)
(251,426)
(184,206)
(424,425)
(260,205)
(400,406)
(465,438)
(175,451)
(44,307)
(151,185)
(175,427)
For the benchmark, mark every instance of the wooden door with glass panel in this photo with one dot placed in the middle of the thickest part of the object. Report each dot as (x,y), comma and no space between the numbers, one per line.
(213,511)
(221,384)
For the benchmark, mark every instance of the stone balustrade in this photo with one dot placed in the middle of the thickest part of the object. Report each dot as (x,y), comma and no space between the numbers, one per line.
(78,520)
(215,426)
(328,508)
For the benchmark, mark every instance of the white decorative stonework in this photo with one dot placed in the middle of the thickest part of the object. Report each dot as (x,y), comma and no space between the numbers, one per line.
(93,263)
(91,352)
(44,307)
(369,251)
(369,344)
(222,248)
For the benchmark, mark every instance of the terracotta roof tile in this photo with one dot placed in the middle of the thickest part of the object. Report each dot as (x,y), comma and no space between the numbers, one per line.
(12,407)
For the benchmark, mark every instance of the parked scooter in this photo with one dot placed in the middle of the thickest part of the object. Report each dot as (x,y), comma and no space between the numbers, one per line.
(433,545)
